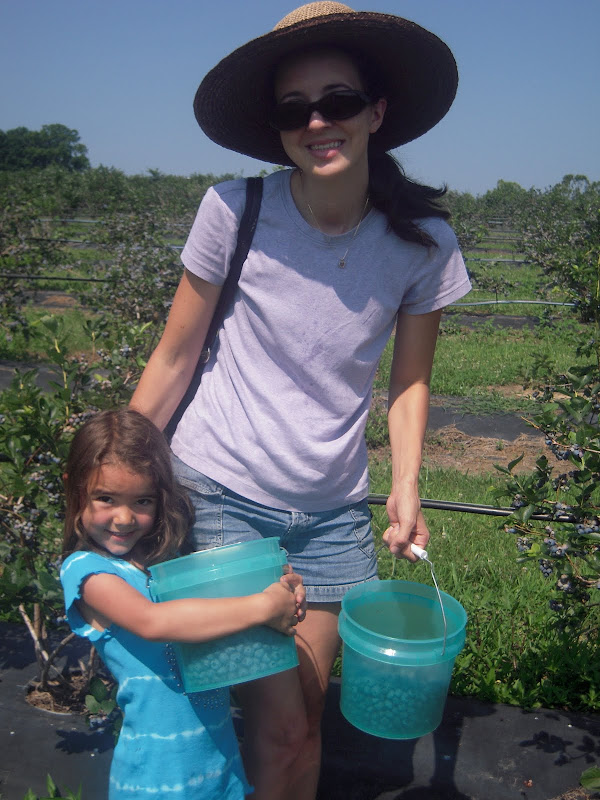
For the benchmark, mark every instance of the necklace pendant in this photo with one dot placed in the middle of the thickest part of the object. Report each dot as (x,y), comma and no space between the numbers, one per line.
(342,263)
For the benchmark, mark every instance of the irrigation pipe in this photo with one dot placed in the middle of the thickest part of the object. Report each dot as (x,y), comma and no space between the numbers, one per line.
(493,260)
(103,222)
(470,508)
(85,243)
(512,303)
(55,278)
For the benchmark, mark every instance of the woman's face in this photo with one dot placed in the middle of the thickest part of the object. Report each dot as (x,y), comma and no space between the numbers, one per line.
(326,147)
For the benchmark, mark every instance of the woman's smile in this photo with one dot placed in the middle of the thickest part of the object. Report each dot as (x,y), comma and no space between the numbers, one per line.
(325,149)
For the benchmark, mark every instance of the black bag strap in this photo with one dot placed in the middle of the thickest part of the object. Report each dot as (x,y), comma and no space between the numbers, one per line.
(244,240)
(254,187)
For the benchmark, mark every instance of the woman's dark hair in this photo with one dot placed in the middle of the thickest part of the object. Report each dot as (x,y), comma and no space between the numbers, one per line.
(125,437)
(402,200)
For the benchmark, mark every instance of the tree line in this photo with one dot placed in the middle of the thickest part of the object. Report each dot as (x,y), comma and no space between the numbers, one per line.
(49,172)
(53,145)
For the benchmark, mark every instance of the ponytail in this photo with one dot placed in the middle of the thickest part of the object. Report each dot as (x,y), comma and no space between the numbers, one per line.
(403,201)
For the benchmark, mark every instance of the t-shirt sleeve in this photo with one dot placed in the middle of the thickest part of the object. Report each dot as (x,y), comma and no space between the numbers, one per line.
(442,278)
(210,245)
(74,571)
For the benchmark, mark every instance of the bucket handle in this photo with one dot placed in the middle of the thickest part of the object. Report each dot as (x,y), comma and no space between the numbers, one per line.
(423,556)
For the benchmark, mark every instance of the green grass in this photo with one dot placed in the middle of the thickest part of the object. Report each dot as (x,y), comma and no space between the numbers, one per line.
(496,247)
(472,362)
(510,281)
(469,361)
(16,347)
(512,654)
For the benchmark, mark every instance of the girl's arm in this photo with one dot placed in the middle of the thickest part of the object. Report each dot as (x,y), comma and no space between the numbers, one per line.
(171,366)
(408,408)
(108,599)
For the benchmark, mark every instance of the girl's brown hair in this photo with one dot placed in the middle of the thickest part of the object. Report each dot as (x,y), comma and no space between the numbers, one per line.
(124,436)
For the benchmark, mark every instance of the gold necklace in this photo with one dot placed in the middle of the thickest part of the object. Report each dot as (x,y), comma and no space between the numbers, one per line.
(342,261)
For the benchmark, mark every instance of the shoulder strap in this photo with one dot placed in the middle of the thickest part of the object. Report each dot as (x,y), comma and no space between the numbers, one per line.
(254,187)
(245,235)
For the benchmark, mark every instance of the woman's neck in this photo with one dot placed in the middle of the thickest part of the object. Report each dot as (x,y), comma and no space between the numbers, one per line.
(332,205)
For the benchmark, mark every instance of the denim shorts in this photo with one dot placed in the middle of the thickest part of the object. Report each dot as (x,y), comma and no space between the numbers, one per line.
(332,550)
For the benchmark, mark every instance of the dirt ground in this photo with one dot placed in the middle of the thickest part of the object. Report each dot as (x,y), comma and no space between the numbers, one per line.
(577,794)
(59,698)
(449,448)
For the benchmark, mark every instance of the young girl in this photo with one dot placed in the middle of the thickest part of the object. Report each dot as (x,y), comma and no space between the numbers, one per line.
(124,513)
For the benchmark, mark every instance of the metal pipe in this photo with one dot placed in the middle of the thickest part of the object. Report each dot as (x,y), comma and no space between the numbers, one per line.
(510,303)
(470,508)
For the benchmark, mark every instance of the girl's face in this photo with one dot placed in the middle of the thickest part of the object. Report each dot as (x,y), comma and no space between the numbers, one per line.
(120,509)
(326,147)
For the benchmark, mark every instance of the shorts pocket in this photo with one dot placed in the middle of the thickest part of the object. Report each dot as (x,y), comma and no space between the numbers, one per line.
(361,515)
(207,498)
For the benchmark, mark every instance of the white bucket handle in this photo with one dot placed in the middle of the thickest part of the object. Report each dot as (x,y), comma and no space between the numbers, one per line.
(423,556)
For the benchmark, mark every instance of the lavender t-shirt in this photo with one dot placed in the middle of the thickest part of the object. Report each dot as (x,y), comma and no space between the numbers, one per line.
(280,414)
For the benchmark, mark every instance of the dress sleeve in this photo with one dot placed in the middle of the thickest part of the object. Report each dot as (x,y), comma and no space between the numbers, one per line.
(74,571)
(212,239)
(443,278)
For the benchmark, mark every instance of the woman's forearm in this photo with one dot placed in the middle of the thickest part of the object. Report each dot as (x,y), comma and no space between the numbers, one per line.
(408,409)
(171,366)
(407,423)
(161,387)
(408,397)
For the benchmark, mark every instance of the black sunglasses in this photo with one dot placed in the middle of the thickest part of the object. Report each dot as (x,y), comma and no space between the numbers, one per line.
(341,104)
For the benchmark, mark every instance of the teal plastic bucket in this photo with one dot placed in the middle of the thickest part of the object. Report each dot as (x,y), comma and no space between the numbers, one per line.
(397,658)
(234,570)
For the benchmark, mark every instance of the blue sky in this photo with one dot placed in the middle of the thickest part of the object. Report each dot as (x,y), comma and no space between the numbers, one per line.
(124,72)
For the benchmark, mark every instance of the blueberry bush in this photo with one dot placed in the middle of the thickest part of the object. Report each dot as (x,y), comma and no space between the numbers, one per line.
(126,306)
(140,270)
(35,433)
(27,246)
(560,232)
(556,513)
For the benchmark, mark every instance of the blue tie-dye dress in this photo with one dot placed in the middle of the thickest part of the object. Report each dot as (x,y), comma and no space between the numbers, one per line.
(172,745)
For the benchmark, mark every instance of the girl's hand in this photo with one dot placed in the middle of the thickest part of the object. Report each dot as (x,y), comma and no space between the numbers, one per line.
(282,614)
(294,581)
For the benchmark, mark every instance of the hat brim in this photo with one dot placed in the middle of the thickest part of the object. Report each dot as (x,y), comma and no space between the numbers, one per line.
(418,68)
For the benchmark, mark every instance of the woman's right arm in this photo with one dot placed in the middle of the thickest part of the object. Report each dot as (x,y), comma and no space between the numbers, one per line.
(108,599)
(171,366)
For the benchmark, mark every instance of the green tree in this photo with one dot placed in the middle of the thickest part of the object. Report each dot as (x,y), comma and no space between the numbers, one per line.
(21,148)
(467,218)
(507,200)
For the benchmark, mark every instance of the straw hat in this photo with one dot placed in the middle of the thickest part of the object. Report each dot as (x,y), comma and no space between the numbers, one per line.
(417,71)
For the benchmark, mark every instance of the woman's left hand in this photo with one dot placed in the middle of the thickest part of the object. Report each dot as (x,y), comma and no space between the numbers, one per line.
(407,524)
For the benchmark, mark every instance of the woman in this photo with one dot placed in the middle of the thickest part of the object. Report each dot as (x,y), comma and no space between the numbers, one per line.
(345,248)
